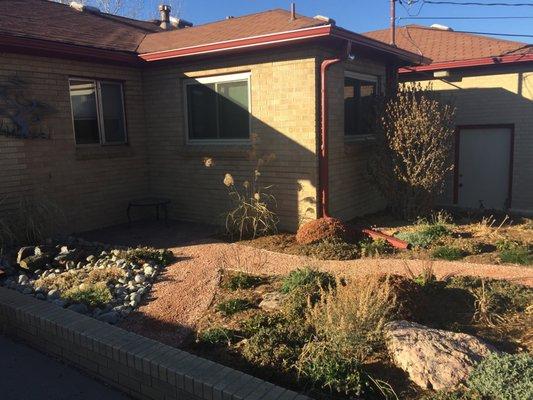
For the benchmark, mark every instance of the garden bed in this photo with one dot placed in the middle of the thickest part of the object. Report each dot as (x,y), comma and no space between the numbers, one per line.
(91,278)
(481,240)
(287,328)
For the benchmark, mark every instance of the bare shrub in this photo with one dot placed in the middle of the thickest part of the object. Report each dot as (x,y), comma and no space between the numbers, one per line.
(413,150)
(250,215)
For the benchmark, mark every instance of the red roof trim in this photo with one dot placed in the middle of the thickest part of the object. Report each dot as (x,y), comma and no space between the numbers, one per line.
(477,62)
(252,41)
(64,50)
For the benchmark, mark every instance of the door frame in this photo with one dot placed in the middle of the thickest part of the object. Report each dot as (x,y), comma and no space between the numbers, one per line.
(458,129)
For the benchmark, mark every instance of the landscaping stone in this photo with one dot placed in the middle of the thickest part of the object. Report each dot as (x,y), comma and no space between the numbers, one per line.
(433,358)
(53,294)
(25,252)
(272,301)
(23,279)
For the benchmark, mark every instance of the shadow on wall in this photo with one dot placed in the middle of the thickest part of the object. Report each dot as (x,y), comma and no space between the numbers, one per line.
(498,106)
(213,133)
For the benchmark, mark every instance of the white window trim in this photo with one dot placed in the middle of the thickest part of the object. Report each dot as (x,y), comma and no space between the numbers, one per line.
(368,78)
(99,112)
(217,79)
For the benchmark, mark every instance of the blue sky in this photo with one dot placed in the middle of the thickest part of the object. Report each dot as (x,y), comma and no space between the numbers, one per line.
(366,15)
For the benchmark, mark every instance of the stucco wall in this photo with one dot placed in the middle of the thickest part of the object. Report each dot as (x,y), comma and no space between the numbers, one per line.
(498,97)
(352,192)
(283,111)
(90,184)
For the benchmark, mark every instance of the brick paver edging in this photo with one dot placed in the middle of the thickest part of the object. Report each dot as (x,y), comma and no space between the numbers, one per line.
(141,367)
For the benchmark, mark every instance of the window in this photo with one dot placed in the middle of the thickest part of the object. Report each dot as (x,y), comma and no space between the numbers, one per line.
(359,94)
(97,111)
(218,108)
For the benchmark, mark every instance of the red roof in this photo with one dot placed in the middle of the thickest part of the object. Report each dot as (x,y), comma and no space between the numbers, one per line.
(50,28)
(443,46)
(47,20)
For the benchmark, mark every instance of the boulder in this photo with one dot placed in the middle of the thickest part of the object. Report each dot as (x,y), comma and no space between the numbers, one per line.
(433,358)
(272,301)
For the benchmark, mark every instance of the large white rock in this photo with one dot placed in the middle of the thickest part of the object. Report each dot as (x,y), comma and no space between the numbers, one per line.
(433,358)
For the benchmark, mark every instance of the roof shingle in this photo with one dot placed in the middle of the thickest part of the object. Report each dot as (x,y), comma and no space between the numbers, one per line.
(263,23)
(48,20)
(440,45)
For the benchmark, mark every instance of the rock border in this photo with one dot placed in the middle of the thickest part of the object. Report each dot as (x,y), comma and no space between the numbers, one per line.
(143,368)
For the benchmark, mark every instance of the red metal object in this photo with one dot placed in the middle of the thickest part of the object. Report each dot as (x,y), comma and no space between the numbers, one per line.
(323,159)
(509,59)
(395,242)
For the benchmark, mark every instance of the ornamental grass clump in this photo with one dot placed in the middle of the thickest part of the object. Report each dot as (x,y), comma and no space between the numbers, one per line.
(413,147)
(250,214)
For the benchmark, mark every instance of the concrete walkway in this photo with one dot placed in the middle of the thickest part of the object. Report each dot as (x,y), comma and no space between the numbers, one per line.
(27,374)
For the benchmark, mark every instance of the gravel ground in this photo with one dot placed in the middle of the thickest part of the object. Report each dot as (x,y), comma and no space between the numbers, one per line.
(186,289)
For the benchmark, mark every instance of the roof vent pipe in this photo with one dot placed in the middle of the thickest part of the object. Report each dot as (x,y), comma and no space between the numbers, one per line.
(164,11)
(293,11)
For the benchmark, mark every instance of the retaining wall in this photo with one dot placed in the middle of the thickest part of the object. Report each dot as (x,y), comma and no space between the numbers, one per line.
(141,367)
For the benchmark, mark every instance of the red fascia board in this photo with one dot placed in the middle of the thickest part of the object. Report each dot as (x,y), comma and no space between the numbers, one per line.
(249,42)
(380,46)
(65,50)
(477,62)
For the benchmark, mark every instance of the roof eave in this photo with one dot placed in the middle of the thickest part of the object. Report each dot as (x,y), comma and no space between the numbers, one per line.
(477,62)
(404,55)
(47,48)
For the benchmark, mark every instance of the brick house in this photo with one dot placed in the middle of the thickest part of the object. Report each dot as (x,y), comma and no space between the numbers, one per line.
(490,81)
(138,105)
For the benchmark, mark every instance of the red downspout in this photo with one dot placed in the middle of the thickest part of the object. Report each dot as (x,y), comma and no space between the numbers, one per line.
(323,162)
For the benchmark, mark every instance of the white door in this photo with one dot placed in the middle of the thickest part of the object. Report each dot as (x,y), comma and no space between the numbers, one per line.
(484,168)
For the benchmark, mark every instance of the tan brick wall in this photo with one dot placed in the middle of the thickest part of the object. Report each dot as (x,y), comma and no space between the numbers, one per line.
(498,98)
(283,108)
(352,192)
(90,184)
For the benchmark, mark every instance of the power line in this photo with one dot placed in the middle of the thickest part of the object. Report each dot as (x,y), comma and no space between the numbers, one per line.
(494,33)
(461,3)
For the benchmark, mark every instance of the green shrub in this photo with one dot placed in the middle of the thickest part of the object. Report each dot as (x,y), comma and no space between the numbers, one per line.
(233,306)
(217,335)
(328,369)
(370,248)
(515,253)
(332,249)
(449,253)
(304,277)
(141,255)
(92,295)
(455,395)
(256,322)
(503,377)
(242,280)
(425,235)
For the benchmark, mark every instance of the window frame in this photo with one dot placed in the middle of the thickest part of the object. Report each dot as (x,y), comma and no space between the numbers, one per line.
(99,111)
(377,79)
(234,77)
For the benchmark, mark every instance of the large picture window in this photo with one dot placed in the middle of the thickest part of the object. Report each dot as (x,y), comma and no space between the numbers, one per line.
(218,108)
(359,94)
(97,111)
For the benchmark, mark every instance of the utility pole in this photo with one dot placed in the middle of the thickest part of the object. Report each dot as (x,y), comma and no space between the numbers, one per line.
(393,22)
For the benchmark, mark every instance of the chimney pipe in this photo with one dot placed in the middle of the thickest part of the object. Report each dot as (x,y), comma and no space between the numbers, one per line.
(393,22)
(293,11)
(164,11)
